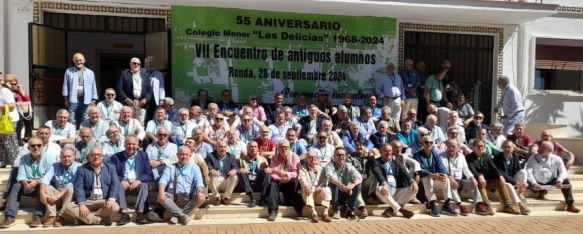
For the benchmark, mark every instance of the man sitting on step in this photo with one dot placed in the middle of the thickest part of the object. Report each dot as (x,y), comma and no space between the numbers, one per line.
(96,187)
(558,149)
(434,175)
(254,174)
(223,172)
(313,186)
(345,184)
(181,188)
(509,166)
(32,167)
(134,172)
(57,187)
(284,169)
(394,185)
(545,171)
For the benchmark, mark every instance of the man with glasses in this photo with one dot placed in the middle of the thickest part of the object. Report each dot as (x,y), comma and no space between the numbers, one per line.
(129,125)
(349,138)
(62,132)
(115,144)
(324,151)
(181,129)
(254,174)
(85,144)
(160,151)
(434,175)
(168,106)
(31,169)
(57,187)
(200,146)
(311,124)
(247,131)
(279,127)
(199,120)
(453,133)
(134,173)
(134,89)
(558,149)
(96,189)
(227,106)
(314,187)
(79,89)
(454,122)
(223,172)
(284,169)
(109,108)
(474,124)
(158,122)
(333,137)
(218,130)
(483,168)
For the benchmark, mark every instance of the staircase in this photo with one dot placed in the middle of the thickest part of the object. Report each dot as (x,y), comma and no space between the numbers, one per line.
(237,212)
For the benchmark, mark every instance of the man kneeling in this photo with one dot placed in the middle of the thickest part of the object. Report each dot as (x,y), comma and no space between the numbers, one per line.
(181,188)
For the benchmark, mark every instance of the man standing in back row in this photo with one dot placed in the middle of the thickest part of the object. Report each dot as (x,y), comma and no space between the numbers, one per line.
(511,105)
(391,90)
(134,89)
(79,89)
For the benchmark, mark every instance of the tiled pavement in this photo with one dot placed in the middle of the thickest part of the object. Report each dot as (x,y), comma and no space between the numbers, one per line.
(474,225)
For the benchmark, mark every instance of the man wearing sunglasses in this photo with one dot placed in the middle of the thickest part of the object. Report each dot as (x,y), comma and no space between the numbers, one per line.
(30,170)
(109,108)
(134,89)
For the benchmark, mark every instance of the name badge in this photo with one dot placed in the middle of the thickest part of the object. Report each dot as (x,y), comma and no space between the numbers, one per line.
(97,193)
(313,188)
(391,181)
(252,176)
(396,91)
(410,85)
(447,86)
(132,176)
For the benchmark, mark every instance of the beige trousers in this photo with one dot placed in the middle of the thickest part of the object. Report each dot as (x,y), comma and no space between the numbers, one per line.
(225,186)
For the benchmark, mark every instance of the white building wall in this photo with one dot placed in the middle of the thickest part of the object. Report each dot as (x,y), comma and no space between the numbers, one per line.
(559,107)
(16,16)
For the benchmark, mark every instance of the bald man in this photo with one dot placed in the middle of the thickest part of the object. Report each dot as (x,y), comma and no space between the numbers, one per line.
(79,89)
(558,149)
(546,171)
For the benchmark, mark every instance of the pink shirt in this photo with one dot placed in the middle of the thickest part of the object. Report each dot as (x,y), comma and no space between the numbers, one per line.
(292,166)
(258,111)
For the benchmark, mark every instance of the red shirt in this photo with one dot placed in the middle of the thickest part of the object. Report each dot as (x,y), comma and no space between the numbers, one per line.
(523,142)
(558,149)
(265,146)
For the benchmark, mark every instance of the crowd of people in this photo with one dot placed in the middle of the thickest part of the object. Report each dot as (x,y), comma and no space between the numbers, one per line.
(86,162)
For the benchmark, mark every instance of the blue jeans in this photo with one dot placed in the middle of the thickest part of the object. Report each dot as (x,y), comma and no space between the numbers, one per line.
(77,111)
(13,203)
(510,121)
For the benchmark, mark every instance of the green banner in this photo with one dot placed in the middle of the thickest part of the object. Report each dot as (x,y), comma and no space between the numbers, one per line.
(263,53)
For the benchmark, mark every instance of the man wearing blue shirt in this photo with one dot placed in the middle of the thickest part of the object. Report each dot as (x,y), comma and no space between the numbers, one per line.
(180,189)
(350,137)
(57,187)
(159,121)
(31,169)
(79,89)
(159,152)
(296,146)
(434,174)
(411,83)
(390,90)
(134,171)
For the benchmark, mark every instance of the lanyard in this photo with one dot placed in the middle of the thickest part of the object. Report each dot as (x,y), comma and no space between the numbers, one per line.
(97,179)
(323,154)
(481,161)
(253,166)
(108,109)
(181,169)
(364,124)
(428,161)
(132,163)
(183,127)
(35,169)
(389,167)
(137,78)
(84,152)
(80,77)
(232,149)
(454,162)
(340,174)
(95,128)
(393,79)
(312,176)
(56,129)
(265,147)
(67,176)
(221,166)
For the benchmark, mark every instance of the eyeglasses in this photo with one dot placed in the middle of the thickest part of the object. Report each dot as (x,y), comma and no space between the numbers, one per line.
(110,94)
(480,146)
(322,137)
(453,133)
(221,119)
(113,133)
(136,63)
(478,117)
(35,146)
(252,99)
(428,142)
(162,135)
(246,120)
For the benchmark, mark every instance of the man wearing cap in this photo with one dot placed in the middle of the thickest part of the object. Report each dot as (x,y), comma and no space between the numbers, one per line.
(79,89)
(134,89)
(510,103)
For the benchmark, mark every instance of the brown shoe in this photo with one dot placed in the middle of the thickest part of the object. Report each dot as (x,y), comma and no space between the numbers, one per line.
(8,222)
(572,208)
(542,194)
(389,212)
(523,209)
(49,222)
(464,210)
(35,222)
(225,201)
(363,213)
(217,202)
(510,209)
(315,218)
(406,213)
(326,218)
(58,222)
(488,209)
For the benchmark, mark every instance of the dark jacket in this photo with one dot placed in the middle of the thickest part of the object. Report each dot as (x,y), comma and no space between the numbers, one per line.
(83,183)
(305,123)
(508,171)
(125,87)
(229,162)
(430,163)
(399,172)
(376,139)
(487,168)
(143,169)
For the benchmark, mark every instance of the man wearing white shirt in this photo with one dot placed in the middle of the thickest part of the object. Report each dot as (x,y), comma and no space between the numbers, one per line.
(511,105)
(62,132)
(323,150)
(199,119)
(278,129)
(97,125)
(158,122)
(130,126)
(156,79)
(79,89)
(182,129)
(115,143)
(390,89)
(109,108)
(546,170)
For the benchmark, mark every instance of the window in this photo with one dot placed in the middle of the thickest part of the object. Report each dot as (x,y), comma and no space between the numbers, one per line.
(559,64)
